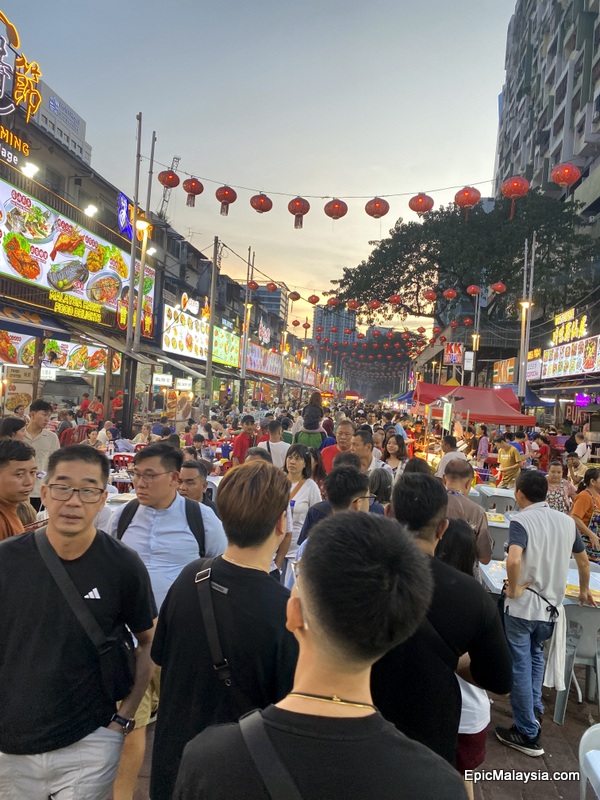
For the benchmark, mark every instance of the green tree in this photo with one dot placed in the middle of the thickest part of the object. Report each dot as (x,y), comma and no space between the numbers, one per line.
(446,251)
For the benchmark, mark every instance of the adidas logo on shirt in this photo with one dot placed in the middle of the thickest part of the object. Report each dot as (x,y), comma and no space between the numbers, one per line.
(93,595)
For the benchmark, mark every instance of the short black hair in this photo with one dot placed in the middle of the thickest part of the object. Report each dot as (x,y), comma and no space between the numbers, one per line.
(419,502)
(198,466)
(303,451)
(500,438)
(89,455)
(173,440)
(380,568)
(274,426)
(365,435)
(11,425)
(164,419)
(171,458)
(165,430)
(14,450)
(247,418)
(416,465)
(197,437)
(449,440)
(343,484)
(40,405)
(347,459)
(458,468)
(260,452)
(457,546)
(533,485)
(191,451)
(286,423)
(519,435)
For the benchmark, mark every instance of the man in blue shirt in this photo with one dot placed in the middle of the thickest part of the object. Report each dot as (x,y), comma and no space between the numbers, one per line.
(160,534)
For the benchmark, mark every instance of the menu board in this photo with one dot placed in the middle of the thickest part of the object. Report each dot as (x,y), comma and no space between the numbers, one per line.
(18,349)
(261,360)
(184,334)
(572,359)
(534,369)
(226,347)
(84,274)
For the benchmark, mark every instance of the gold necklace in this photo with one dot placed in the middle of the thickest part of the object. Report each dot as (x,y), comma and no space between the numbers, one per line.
(239,564)
(331,699)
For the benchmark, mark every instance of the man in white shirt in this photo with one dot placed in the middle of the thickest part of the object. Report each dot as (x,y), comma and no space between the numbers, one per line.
(540,544)
(160,534)
(43,441)
(450,453)
(275,444)
(583,450)
(362,445)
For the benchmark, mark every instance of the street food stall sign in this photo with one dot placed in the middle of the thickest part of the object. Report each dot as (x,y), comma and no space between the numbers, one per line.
(183,384)
(162,380)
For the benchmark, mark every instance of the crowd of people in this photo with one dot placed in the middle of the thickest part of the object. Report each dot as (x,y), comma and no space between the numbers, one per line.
(333,583)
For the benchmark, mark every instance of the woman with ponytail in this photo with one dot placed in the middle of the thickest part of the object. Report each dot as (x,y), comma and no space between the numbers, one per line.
(586,513)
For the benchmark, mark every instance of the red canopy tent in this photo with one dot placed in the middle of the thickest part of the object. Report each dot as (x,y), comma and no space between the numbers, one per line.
(482,405)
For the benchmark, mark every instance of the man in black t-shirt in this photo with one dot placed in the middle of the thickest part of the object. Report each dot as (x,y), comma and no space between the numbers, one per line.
(361,587)
(414,685)
(58,728)
(249,609)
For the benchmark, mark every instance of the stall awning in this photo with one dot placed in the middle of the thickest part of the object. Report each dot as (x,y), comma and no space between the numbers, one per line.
(258,377)
(30,323)
(108,341)
(221,371)
(182,365)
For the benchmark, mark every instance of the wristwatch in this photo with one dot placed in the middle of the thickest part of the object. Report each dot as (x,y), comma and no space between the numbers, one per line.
(127,724)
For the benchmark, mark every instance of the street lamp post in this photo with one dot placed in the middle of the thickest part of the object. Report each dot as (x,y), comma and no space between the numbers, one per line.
(211,326)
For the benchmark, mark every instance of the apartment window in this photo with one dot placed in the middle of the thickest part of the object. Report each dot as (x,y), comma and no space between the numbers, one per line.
(44,120)
(50,126)
(79,149)
(59,132)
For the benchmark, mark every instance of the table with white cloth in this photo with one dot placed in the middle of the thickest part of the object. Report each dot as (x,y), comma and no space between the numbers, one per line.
(494,575)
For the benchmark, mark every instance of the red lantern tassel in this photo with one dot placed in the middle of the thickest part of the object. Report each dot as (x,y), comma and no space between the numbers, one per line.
(224,209)
(191,200)
(297,221)
(512,209)
(467,215)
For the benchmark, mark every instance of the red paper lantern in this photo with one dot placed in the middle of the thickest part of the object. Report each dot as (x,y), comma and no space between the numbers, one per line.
(397,345)
(326,339)
(361,356)
(273,349)
(313,299)
(376,346)
(261,203)
(386,346)
(168,178)
(333,302)
(437,330)
(454,324)
(345,344)
(336,209)
(421,330)
(473,290)
(498,288)
(365,345)
(565,174)
(311,347)
(306,325)
(371,358)
(295,323)
(373,305)
(430,295)
(355,344)
(377,207)
(389,358)
(271,287)
(225,195)
(353,305)
(467,322)
(432,341)
(360,335)
(421,203)
(390,334)
(294,296)
(443,339)
(450,294)
(395,300)
(376,334)
(348,331)
(379,356)
(193,187)
(467,198)
(319,329)
(514,188)
(333,329)
(406,336)
(299,207)
(318,338)
(253,286)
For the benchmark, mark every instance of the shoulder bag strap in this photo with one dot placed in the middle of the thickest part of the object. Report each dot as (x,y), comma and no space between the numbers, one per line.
(275,775)
(127,515)
(77,604)
(297,488)
(193,515)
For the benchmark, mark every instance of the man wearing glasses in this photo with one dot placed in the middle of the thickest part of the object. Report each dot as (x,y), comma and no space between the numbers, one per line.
(58,726)
(160,534)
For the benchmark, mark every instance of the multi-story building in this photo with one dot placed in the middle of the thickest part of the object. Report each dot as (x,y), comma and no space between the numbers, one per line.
(550,103)
(273,302)
(62,122)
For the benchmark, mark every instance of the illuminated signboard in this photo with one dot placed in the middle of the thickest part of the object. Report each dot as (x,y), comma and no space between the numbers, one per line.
(453,354)
(534,369)
(535,354)
(572,359)
(125,216)
(226,347)
(86,277)
(568,328)
(504,371)
(264,361)
(184,334)
(74,357)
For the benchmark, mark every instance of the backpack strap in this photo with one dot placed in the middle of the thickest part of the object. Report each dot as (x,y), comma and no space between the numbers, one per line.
(193,514)
(126,517)
(275,775)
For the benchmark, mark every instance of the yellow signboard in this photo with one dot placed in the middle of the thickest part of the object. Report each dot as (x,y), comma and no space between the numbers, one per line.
(570,330)
(76,307)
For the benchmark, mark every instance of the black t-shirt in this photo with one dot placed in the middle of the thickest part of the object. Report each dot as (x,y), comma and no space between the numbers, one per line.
(329,759)
(51,691)
(414,685)
(250,610)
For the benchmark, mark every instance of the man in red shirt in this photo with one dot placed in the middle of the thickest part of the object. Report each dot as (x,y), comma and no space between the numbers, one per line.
(344,433)
(243,441)
(85,404)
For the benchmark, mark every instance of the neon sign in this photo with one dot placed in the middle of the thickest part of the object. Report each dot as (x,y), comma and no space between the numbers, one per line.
(25,75)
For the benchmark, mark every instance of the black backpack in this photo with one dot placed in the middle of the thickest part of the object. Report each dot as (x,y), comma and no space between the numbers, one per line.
(192,513)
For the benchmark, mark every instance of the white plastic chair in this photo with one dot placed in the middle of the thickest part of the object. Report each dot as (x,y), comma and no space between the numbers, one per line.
(583,647)
(500,536)
(593,566)
(502,504)
(589,761)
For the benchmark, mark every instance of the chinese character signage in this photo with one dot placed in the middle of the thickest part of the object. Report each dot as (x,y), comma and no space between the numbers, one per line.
(572,359)
(535,354)
(504,371)
(19,77)
(86,277)
(453,354)
(569,330)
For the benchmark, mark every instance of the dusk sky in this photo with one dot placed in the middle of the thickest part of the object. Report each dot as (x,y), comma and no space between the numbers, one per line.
(316,98)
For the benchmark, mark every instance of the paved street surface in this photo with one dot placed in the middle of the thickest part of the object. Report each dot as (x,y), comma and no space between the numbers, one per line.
(560,743)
